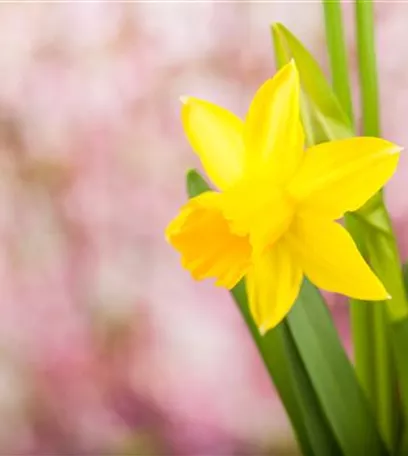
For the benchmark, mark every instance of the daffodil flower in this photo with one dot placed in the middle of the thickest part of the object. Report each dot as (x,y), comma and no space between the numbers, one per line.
(274,219)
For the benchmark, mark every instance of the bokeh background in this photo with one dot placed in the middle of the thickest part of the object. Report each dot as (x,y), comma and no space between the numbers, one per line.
(106,345)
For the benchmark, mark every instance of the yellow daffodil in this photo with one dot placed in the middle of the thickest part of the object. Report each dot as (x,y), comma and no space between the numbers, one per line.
(273,219)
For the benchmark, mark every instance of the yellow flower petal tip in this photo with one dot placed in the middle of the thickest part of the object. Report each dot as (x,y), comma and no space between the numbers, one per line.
(266,327)
(395,149)
(184,99)
(273,220)
(262,330)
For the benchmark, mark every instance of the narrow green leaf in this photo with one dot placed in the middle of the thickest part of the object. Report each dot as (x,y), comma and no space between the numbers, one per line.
(282,360)
(195,183)
(399,331)
(400,340)
(405,277)
(321,112)
(380,378)
(281,357)
(332,375)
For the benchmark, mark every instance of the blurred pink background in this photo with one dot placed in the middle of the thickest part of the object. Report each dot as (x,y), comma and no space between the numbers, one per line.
(106,345)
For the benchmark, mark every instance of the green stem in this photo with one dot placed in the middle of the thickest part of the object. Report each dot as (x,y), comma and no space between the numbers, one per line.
(338,54)
(362,318)
(374,365)
(362,321)
(386,377)
(362,329)
(367,67)
(384,367)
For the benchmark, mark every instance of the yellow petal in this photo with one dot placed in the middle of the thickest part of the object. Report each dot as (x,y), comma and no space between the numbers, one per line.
(255,207)
(209,249)
(331,260)
(216,135)
(273,135)
(273,283)
(340,176)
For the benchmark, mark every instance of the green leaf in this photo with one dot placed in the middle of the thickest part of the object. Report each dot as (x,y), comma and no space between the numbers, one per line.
(400,344)
(281,357)
(400,340)
(321,112)
(332,375)
(195,183)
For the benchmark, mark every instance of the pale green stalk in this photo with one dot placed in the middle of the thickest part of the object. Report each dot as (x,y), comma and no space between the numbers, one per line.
(386,381)
(372,348)
(362,321)
(338,54)
(367,67)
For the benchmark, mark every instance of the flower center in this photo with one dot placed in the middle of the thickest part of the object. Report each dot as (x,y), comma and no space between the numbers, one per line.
(257,209)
